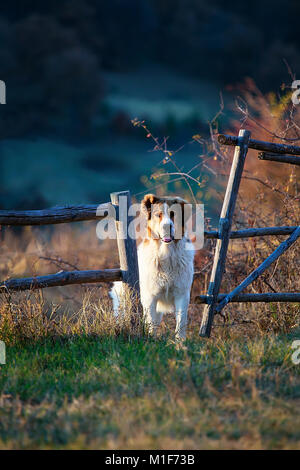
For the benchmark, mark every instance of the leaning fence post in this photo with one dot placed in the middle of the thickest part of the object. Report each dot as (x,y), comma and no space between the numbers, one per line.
(224,231)
(126,244)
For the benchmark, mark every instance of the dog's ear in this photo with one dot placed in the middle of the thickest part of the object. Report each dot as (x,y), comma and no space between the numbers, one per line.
(147,202)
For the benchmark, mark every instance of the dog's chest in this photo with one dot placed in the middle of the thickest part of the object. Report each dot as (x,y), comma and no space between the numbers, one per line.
(163,270)
(169,270)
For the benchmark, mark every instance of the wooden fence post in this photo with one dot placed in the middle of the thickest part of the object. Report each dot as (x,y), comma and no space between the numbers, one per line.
(126,244)
(224,231)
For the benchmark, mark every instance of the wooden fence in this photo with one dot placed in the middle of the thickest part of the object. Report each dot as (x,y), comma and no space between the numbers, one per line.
(128,271)
(214,300)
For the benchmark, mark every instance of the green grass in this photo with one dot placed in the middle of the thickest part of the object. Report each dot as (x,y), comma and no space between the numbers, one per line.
(134,392)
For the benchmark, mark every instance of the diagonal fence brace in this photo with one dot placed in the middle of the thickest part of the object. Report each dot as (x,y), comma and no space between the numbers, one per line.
(260,269)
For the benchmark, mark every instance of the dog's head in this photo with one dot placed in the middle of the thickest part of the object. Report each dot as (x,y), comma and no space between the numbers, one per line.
(166,217)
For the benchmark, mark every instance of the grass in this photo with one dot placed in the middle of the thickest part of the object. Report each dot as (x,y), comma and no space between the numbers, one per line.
(116,392)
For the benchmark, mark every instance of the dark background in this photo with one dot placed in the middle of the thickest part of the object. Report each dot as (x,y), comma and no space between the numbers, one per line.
(78,71)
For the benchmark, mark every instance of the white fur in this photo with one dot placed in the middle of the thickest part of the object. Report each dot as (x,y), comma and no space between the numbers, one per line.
(166,276)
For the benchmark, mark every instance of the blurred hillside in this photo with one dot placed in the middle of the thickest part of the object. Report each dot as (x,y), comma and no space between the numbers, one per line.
(78,71)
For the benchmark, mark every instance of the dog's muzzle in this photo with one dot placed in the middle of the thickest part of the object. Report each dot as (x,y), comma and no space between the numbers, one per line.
(167,239)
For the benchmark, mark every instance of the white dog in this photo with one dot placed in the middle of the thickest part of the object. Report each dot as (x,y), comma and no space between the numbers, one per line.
(166,259)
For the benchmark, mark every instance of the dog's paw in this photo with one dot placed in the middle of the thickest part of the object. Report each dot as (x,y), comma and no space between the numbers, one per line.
(180,344)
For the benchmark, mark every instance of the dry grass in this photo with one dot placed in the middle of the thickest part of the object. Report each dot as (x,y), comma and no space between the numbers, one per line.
(123,390)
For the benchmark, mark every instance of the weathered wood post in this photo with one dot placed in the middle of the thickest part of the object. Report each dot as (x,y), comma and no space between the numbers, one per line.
(225,224)
(126,244)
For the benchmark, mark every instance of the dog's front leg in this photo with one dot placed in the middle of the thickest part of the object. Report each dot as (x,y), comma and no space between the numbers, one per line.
(181,308)
(150,316)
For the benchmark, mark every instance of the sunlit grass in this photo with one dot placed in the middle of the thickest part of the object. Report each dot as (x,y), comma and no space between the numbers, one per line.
(136,392)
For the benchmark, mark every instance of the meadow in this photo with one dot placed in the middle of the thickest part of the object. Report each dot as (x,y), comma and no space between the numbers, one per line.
(128,391)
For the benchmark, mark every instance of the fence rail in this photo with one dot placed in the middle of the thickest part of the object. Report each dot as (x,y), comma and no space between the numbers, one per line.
(271,157)
(62,278)
(253,232)
(55,215)
(68,214)
(266,297)
(272,147)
